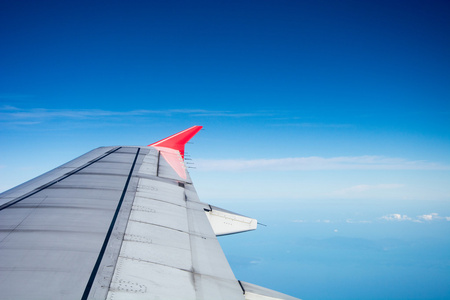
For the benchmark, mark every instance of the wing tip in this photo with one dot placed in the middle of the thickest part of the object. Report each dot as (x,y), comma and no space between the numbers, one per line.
(178,140)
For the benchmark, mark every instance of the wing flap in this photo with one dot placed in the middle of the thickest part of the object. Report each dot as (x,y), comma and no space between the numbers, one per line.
(255,292)
(225,222)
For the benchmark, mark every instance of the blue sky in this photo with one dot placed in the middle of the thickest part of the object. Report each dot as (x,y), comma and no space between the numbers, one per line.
(327,120)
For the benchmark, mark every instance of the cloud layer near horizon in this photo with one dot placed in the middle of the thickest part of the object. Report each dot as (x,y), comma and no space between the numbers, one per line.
(14,114)
(396,217)
(366,162)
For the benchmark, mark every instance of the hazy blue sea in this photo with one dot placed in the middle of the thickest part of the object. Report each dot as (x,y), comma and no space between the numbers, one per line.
(344,249)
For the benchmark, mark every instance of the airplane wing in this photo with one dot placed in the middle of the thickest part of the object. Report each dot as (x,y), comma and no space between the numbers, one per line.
(119,223)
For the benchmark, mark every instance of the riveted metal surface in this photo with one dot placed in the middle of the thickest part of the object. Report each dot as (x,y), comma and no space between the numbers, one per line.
(165,170)
(149,164)
(162,191)
(169,241)
(54,174)
(160,282)
(54,235)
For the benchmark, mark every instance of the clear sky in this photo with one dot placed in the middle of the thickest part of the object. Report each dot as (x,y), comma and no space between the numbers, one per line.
(329,121)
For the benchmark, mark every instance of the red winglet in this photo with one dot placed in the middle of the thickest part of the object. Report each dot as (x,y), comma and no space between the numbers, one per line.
(178,140)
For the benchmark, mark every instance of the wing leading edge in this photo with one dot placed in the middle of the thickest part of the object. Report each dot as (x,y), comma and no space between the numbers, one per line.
(119,223)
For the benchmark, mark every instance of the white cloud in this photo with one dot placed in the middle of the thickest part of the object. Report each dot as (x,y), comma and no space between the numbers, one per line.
(365,162)
(396,217)
(430,217)
(419,219)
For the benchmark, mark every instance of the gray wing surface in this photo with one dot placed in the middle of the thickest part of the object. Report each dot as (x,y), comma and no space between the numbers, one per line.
(115,223)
